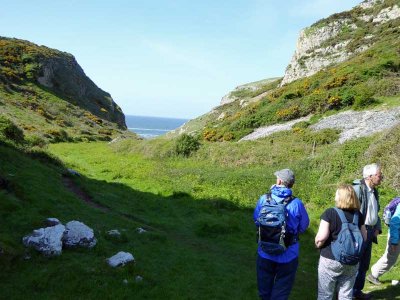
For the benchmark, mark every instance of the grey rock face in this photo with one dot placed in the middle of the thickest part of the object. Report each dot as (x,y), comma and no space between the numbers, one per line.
(368,3)
(46,240)
(120,259)
(312,54)
(387,14)
(78,234)
(309,57)
(64,75)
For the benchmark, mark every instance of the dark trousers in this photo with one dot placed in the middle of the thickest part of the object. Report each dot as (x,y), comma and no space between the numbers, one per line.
(275,280)
(364,262)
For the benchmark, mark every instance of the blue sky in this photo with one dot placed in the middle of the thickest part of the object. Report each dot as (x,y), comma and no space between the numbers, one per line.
(169,58)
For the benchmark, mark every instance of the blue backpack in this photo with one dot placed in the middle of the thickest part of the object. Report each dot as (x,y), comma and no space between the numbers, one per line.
(272,235)
(390,209)
(347,249)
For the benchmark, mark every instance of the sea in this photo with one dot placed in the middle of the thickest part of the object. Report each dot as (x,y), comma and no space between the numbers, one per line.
(150,127)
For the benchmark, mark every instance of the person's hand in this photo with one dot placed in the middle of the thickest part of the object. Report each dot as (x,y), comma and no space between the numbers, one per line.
(376,233)
(319,244)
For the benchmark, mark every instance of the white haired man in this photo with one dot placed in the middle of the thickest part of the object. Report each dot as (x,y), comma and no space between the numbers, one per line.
(369,199)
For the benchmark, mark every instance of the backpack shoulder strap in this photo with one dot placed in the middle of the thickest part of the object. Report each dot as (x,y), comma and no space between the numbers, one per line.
(289,199)
(266,199)
(269,199)
(341,215)
(355,218)
(363,192)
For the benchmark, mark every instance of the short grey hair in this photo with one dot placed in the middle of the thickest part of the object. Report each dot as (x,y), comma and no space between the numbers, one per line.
(370,170)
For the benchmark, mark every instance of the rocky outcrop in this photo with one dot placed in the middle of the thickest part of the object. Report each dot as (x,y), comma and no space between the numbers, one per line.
(309,57)
(62,74)
(387,14)
(369,3)
(322,45)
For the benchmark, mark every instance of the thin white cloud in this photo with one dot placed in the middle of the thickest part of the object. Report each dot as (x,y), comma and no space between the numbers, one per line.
(179,55)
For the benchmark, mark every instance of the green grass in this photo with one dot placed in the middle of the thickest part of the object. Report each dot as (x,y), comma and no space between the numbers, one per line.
(200,242)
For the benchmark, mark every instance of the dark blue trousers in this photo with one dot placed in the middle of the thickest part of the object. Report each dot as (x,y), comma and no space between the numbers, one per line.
(364,263)
(275,280)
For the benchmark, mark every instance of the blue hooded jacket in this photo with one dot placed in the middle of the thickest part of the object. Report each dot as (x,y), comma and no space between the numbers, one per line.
(297,222)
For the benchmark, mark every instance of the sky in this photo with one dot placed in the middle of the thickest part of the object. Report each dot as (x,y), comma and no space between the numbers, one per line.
(169,58)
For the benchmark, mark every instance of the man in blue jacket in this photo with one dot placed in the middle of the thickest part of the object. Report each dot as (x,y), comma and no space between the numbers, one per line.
(391,254)
(276,273)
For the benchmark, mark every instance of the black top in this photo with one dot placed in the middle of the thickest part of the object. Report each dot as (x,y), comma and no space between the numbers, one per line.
(332,217)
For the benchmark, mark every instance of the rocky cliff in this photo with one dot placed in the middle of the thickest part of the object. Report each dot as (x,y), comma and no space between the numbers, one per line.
(59,73)
(339,37)
(349,60)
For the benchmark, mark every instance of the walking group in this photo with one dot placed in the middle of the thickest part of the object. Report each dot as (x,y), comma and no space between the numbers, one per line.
(345,237)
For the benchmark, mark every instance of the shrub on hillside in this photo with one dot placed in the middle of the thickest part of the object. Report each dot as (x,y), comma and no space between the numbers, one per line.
(186,144)
(10,131)
(36,141)
(289,113)
(321,137)
(364,96)
(347,97)
(57,135)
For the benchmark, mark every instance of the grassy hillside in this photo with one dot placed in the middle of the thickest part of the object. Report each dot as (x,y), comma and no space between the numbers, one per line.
(46,93)
(200,242)
(366,79)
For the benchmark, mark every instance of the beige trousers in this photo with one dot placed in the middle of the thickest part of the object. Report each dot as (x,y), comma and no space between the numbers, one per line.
(387,261)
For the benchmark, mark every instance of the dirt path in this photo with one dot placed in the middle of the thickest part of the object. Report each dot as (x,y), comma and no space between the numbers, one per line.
(69,183)
(81,194)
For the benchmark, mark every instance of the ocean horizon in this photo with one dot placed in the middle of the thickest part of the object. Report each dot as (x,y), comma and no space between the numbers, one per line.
(149,127)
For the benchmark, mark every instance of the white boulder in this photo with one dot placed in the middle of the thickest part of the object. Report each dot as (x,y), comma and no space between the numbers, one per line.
(120,259)
(78,234)
(46,240)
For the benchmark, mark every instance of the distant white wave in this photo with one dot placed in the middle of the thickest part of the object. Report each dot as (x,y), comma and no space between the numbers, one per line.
(149,129)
